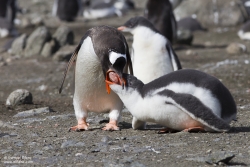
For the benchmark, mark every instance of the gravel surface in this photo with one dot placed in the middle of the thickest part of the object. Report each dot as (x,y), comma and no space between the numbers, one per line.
(37,134)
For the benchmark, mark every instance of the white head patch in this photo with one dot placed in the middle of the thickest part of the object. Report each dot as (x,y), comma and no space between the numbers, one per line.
(113,56)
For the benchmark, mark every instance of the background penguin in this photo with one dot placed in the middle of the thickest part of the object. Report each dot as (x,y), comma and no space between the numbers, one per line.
(175,3)
(244,31)
(191,24)
(67,10)
(8,10)
(160,13)
(182,100)
(186,27)
(100,9)
(152,54)
(101,49)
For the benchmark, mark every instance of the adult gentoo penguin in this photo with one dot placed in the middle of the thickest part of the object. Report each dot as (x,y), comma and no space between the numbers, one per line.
(67,10)
(160,13)
(152,54)
(182,100)
(244,31)
(101,49)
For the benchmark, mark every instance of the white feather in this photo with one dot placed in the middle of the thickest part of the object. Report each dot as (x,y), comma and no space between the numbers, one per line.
(154,109)
(90,92)
(113,56)
(150,57)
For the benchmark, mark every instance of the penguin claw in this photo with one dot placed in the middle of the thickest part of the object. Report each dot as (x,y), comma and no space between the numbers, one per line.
(110,127)
(194,129)
(166,130)
(79,128)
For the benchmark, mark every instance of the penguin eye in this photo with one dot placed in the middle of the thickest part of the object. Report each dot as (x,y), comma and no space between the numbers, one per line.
(120,63)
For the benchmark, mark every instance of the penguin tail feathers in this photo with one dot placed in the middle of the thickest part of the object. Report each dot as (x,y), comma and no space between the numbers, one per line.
(71,61)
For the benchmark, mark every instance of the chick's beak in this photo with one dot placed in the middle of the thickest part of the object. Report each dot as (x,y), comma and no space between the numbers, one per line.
(113,78)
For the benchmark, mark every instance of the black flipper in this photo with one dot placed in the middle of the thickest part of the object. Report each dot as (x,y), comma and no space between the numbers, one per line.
(197,110)
(129,61)
(173,56)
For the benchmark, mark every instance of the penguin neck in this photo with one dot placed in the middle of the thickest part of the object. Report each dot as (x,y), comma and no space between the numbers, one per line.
(144,37)
(128,95)
(142,32)
(132,90)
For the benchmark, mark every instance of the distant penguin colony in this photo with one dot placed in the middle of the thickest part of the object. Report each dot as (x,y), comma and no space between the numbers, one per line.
(8,10)
(101,49)
(244,31)
(160,13)
(191,24)
(187,100)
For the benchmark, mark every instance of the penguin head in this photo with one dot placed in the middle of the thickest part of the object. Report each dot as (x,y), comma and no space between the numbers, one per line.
(115,64)
(134,22)
(130,81)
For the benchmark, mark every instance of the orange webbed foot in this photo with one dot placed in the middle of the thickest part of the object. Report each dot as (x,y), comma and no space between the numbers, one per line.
(194,129)
(82,125)
(112,125)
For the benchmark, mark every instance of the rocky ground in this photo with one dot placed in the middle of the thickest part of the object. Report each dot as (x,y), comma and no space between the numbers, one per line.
(41,138)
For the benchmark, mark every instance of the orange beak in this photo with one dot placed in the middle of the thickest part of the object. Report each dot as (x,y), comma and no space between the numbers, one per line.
(121,28)
(114,79)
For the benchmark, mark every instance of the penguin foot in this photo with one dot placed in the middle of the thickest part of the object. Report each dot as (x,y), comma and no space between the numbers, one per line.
(112,125)
(82,125)
(194,129)
(167,130)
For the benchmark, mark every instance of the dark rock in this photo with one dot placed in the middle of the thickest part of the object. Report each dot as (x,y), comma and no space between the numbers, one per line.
(212,13)
(236,48)
(48,147)
(64,35)
(220,156)
(36,41)
(214,158)
(18,45)
(6,125)
(19,144)
(19,96)
(72,143)
(191,24)
(64,54)
(49,48)
(4,151)
(62,117)
(33,112)
(106,139)
(29,120)
(38,152)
